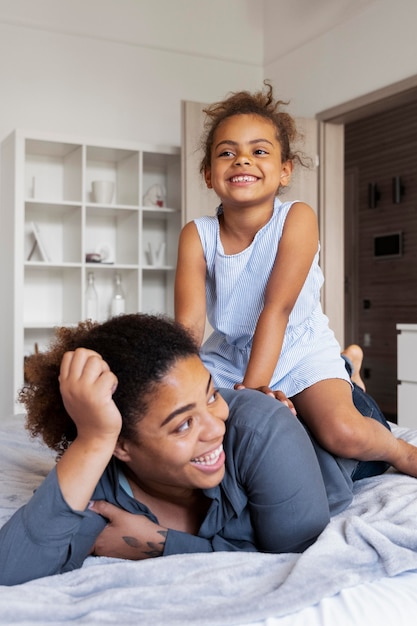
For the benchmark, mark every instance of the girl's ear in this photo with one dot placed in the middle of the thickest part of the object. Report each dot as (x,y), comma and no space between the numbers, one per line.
(207,177)
(121,450)
(286,172)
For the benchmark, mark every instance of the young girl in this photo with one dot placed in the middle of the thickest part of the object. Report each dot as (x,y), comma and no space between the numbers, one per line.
(253,268)
(148,464)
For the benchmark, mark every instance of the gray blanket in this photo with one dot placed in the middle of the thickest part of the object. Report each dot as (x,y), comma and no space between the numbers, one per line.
(375,537)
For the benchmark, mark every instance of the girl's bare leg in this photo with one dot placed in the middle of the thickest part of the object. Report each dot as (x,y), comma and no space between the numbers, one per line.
(355,355)
(328,411)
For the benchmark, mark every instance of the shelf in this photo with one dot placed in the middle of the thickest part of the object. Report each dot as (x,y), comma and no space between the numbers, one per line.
(121,167)
(51,295)
(53,171)
(58,227)
(113,233)
(104,284)
(56,214)
(157,292)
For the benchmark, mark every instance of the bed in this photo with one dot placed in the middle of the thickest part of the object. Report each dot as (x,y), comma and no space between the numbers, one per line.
(361,570)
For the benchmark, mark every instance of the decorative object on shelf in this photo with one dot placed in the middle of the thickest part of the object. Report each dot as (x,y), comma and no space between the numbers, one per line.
(156,256)
(118,300)
(106,252)
(38,244)
(91,299)
(103,254)
(103,191)
(398,190)
(155,196)
(93,257)
(374,195)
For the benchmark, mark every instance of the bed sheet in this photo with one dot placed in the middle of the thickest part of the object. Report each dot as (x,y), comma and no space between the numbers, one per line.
(385,602)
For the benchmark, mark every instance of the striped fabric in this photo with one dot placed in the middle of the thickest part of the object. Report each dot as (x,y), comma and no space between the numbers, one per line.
(235,288)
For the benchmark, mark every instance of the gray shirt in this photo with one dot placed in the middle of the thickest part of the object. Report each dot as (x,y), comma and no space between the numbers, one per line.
(278,493)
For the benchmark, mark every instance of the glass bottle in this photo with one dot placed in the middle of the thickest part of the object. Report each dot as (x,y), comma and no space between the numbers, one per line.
(91,299)
(118,300)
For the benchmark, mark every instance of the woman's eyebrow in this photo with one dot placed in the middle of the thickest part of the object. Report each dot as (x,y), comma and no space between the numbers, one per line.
(185,408)
(181,409)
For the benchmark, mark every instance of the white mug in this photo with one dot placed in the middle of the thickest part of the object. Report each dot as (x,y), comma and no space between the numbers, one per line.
(103,191)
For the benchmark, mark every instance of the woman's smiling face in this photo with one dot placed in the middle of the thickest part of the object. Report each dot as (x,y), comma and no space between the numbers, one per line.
(179,444)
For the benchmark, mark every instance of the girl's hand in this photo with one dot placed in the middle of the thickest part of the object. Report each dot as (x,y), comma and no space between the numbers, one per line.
(278,395)
(87,386)
(127,536)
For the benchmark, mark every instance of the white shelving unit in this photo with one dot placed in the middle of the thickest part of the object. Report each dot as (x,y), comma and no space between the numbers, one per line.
(47,186)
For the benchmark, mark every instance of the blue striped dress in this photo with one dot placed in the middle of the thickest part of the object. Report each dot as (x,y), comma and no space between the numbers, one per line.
(235,288)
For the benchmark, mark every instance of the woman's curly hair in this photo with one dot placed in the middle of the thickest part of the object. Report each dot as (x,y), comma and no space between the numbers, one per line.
(260,103)
(140,349)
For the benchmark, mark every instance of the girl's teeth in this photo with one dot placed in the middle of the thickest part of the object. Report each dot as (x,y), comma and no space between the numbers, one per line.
(243,179)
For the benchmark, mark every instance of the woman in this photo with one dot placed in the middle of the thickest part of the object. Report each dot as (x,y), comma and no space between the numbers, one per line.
(153,460)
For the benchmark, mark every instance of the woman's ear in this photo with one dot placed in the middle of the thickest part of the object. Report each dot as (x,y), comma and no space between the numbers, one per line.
(207,177)
(121,451)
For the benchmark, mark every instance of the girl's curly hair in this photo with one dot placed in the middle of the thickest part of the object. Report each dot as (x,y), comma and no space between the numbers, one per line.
(261,103)
(140,349)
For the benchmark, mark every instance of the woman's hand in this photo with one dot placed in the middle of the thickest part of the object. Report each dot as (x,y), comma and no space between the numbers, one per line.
(87,386)
(127,536)
(278,395)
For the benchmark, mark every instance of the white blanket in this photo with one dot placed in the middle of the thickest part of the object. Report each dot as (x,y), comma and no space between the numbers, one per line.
(374,538)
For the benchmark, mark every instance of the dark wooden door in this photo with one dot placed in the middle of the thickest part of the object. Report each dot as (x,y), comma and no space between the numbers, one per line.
(381,241)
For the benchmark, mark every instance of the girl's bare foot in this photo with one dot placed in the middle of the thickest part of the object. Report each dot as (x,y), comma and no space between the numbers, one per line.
(406,458)
(355,355)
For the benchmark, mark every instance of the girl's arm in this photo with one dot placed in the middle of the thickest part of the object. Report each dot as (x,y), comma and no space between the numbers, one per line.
(296,251)
(190,283)
(87,386)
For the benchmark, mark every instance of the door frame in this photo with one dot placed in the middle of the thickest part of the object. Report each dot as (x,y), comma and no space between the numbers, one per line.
(331,188)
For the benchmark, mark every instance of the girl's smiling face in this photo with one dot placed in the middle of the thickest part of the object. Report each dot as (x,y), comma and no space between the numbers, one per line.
(179,440)
(246,167)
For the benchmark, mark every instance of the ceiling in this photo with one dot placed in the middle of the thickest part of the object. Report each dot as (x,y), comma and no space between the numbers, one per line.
(290,25)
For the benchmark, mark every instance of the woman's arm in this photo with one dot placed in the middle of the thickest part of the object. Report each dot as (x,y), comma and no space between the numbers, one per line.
(87,386)
(296,251)
(135,537)
(42,537)
(190,283)
(127,535)
(280,473)
(45,536)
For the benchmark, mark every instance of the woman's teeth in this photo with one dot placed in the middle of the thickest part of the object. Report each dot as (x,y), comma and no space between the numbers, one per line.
(209,459)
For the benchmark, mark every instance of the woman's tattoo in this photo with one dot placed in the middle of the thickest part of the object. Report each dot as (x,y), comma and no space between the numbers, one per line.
(155,549)
(131,541)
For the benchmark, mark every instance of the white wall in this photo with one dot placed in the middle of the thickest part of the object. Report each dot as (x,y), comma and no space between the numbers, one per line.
(118,69)
(373,46)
